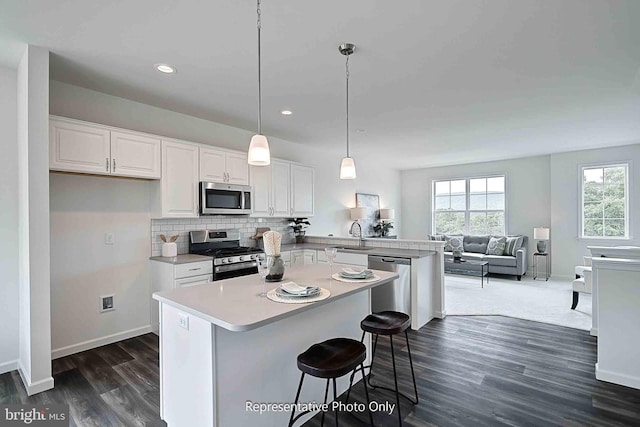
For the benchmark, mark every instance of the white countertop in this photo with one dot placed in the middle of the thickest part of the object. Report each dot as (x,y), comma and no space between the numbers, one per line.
(181,259)
(234,304)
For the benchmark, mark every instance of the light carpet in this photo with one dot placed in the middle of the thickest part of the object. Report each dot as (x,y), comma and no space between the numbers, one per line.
(547,302)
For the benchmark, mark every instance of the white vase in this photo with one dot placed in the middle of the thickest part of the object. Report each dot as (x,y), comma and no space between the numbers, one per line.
(169,249)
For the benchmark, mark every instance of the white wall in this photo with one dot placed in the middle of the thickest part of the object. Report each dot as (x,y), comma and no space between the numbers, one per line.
(8,221)
(33,220)
(527,197)
(565,198)
(333,196)
(83,210)
(84,268)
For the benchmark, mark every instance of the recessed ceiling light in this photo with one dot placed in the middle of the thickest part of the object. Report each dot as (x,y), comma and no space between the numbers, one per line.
(165,68)
(286,112)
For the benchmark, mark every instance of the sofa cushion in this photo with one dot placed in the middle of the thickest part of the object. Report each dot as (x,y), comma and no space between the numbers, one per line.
(471,256)
(496,245)
(476,244)
(513,244)
(453,243)
(505,261)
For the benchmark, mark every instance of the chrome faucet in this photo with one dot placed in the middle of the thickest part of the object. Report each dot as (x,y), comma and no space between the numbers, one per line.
(361,244)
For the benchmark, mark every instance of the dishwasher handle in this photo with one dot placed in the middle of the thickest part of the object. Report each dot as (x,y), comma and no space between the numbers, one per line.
(389,260)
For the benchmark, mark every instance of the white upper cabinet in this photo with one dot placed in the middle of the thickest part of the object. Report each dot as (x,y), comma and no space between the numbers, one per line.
(135,155)
(79,148)
(302,191)
(260,178)
(237,168)
(223,166)
(280,188)
(179,183)
(283,190)
(83,147)
(212,165)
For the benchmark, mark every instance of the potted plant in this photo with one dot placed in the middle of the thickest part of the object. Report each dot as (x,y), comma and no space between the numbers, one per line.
(298,226)
(382,228)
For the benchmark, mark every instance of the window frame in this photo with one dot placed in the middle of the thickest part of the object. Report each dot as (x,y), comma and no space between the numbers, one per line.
(627,199)
(467,212)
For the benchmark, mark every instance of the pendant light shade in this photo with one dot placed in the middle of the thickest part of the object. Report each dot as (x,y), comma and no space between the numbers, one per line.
(347,168)
(259,154)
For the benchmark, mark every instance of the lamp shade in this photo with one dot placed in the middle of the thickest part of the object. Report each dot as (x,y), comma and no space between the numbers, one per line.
(259,154)
(347,168)
(541,233)
(387,213)
(358,213)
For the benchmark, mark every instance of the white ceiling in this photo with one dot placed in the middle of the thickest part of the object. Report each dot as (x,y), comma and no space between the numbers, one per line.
(433,82)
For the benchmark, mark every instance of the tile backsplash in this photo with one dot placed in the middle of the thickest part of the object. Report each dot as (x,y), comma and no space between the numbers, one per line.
(246,225)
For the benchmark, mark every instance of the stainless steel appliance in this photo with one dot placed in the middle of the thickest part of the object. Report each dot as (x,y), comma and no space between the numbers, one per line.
(396,295)
(224,199)
(229,258)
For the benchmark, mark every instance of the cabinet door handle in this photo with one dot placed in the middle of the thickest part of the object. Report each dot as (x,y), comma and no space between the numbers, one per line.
(291,211)
(114,165)
(195,269)
(227,174)
(106,164)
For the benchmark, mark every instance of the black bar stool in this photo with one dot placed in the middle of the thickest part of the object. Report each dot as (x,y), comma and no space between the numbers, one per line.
(332,359)
(389,323)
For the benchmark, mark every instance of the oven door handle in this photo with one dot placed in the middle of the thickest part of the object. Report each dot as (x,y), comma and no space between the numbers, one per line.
(233,267)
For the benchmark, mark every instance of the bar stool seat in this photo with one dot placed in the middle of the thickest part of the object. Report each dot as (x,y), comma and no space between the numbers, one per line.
(386,323)
(332,359)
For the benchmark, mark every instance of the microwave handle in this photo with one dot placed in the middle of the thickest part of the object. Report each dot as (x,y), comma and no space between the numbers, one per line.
(242,198)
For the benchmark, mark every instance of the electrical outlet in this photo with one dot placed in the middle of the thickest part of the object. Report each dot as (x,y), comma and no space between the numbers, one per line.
(107,303)
(183,321)
(108,238)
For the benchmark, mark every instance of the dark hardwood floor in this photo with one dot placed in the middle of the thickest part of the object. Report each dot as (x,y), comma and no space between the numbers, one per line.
(498,371)
(114,385)
(471,371)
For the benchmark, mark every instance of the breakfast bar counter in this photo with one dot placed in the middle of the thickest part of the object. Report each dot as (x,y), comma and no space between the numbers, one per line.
(224,348)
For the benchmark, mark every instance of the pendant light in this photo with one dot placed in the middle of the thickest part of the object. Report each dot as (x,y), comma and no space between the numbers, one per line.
(259,154)
(347,166)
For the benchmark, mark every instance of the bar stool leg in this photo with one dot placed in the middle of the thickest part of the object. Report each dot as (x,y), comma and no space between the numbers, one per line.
(326,393)
(353,375)
(335,397)
(293,411)
(395,379)
(373,355)
(366,393)
(413,375)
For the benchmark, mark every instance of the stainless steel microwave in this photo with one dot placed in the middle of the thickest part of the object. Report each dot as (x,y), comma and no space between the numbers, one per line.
(224,199)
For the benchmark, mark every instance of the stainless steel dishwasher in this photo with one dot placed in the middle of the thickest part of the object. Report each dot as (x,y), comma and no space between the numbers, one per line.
(394,296)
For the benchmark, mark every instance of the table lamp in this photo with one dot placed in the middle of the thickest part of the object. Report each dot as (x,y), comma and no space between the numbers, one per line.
(541,234)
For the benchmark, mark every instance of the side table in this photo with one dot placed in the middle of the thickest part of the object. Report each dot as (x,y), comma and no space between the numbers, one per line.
(536,265)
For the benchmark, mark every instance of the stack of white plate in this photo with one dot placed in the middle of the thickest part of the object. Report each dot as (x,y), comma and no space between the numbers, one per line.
(293,290)
(350,273)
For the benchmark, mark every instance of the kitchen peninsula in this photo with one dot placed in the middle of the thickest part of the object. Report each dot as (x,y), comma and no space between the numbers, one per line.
(223,347)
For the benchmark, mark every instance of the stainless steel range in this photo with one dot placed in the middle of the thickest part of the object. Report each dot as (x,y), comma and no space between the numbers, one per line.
(229,258)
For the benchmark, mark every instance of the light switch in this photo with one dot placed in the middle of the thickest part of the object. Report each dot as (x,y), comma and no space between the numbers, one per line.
(183,321)
(108,238)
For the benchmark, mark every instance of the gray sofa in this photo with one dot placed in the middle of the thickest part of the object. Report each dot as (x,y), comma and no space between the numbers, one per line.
(475,249)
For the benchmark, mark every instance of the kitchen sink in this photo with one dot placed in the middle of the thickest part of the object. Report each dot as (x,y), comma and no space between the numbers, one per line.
(354,248)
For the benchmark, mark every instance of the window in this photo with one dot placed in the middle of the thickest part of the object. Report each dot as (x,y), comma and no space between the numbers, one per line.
(470,206)
(605,202)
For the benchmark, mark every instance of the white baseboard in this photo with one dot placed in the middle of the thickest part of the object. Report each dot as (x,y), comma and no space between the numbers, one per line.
(441,314)
(594,332)
(99,342)
(9,366)
(616,378)
(31,387)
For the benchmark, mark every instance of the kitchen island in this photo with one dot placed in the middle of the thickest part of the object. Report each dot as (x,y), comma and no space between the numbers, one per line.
(223,347)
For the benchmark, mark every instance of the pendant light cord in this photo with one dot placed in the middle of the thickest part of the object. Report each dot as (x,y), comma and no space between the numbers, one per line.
(347,74)
(259,74)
